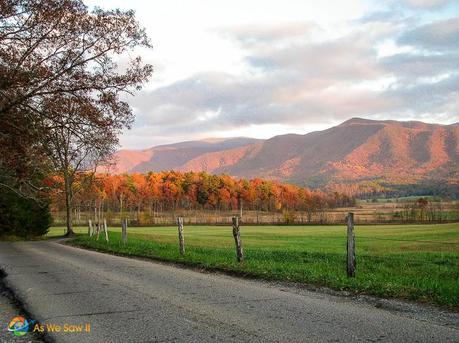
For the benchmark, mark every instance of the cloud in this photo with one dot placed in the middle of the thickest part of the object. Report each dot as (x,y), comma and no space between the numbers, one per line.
(349,58)
(429,97)
(250,34)
(411,68)
(437,36)
(426,4)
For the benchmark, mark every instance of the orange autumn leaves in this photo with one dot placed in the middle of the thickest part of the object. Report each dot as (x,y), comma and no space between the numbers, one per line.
(173,190)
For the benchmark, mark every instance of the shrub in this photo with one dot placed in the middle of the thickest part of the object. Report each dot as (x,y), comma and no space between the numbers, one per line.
(23,217)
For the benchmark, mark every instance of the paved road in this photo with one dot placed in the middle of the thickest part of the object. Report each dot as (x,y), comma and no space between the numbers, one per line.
(128,300)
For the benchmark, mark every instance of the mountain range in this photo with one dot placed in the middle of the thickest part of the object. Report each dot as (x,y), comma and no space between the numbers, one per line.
(358,149)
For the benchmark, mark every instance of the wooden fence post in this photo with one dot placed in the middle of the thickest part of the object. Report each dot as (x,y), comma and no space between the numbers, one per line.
(90,231)
(124,230)
(106,230)
(180,235)
(350,245)
(97,230)
(237,239)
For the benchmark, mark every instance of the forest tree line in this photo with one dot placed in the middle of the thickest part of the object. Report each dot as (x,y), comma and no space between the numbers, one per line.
(171,190)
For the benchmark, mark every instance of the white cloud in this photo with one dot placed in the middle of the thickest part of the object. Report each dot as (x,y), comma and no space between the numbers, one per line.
(426,3)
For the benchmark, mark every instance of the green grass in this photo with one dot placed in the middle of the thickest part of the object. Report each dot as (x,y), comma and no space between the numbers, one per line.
(59,231)
(416,262)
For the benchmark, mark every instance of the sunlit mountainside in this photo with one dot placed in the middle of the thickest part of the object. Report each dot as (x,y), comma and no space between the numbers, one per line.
(356,151)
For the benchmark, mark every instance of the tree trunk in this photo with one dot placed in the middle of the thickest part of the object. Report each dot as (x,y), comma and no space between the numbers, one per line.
(68,207)
(121,205)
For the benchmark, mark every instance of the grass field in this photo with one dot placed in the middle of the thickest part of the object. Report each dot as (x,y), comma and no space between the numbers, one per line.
(416,262)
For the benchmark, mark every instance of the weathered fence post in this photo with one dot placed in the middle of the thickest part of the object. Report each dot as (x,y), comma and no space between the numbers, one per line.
(350,245)
(237,239)
(90,231)
(124,230)
(180,235)
(106,230)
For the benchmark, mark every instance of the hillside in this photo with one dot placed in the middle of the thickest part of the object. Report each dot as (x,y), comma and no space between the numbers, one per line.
(172,156)
(354,151)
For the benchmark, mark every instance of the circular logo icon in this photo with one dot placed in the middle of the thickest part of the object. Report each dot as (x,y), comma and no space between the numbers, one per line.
(19,326)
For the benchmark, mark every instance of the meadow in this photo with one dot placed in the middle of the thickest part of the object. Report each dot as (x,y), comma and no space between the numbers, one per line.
(414,262)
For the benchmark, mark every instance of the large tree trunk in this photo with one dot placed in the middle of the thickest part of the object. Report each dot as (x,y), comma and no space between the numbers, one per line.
(68,207)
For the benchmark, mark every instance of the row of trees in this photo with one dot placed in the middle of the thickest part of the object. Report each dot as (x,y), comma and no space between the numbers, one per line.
(60,86)
(170,191)
(424,209)
(372,189)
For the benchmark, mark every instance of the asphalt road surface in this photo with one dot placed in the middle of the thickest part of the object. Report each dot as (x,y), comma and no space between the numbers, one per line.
(131,300)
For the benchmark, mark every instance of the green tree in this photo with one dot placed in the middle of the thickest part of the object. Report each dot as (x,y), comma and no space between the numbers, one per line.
(23,217)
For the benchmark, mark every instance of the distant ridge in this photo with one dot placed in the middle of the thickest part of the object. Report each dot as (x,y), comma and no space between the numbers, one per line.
(357,149)
(172,156)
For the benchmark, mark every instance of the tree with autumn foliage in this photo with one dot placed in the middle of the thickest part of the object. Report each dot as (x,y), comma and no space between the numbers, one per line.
(75,150)
(60,87)
(171,191)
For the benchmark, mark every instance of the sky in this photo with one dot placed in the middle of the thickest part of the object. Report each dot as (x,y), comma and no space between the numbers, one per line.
(260,68)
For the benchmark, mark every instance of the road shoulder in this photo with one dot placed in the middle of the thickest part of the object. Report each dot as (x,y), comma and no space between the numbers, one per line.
(10,308)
